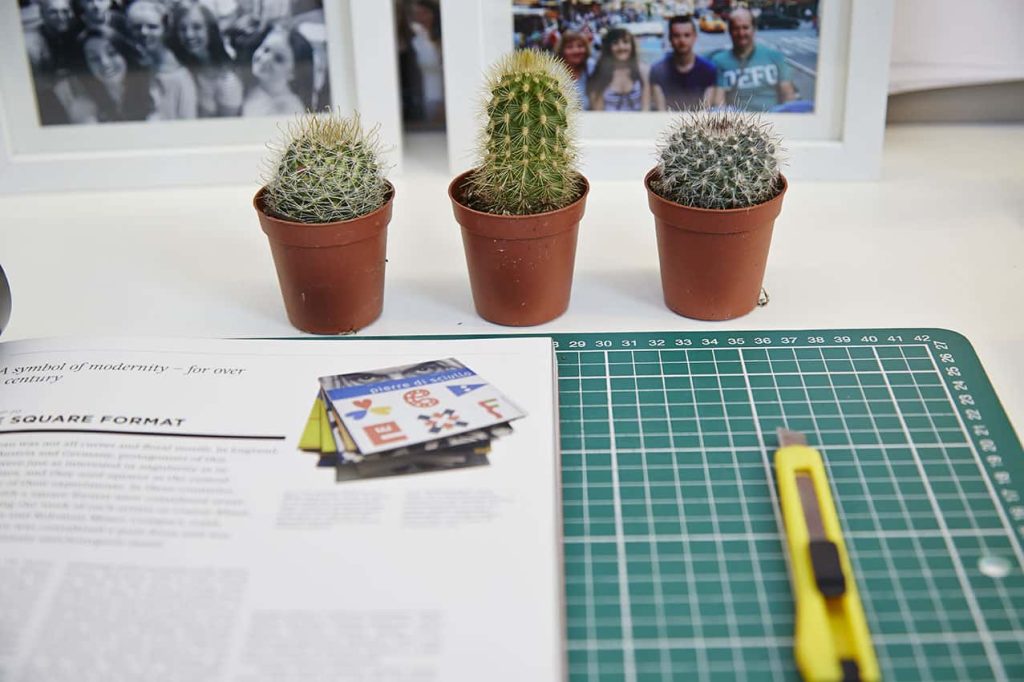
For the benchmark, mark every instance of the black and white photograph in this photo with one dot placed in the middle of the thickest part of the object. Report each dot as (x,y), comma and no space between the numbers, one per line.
(635,56)
(109,61)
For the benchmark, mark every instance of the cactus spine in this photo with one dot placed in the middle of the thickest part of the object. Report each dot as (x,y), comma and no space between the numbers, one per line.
(327,169)
(719,160)
(527,149)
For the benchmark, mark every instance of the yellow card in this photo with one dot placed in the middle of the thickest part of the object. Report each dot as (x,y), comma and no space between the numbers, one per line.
(310,439)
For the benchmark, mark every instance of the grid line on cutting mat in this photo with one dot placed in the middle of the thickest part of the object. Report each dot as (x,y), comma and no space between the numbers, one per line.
(675,563)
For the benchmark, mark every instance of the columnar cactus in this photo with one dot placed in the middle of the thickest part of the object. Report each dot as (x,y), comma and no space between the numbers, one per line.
(719,160)
(527,149)
(328,169)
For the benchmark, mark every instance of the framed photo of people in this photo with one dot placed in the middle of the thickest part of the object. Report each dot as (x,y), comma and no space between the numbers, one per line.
(138,93)
(816,68)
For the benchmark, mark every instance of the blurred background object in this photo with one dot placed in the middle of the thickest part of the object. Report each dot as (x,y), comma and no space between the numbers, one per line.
(418,37)
(957,62)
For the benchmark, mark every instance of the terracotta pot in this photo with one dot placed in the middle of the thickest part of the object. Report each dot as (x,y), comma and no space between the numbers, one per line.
(712,261)
(331,274)
(520,267)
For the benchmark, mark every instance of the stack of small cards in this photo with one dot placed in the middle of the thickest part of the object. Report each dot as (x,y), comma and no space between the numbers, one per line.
(431,416)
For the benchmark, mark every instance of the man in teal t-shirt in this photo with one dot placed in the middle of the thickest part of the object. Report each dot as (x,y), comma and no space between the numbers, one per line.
(750,76)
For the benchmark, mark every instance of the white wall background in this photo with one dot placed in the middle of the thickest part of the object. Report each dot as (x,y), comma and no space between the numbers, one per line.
(945,43)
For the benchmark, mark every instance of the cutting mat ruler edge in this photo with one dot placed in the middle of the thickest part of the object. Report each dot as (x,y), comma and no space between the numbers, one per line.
(981,413)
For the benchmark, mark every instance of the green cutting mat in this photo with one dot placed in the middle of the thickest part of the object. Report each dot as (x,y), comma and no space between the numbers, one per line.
(674,560)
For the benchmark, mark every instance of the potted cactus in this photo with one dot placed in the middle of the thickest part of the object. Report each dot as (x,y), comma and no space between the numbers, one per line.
(325,208)
(520,208)
(715,194)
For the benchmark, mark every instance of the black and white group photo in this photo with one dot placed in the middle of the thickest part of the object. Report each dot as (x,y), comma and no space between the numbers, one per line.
(103,61)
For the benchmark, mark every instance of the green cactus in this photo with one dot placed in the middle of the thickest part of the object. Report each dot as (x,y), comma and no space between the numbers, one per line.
(719,160)
(327,169)
(527,149)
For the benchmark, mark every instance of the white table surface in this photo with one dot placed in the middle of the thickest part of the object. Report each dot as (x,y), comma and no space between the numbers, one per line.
(938,241)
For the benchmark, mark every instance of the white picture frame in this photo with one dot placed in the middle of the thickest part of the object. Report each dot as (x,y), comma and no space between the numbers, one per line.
(363,73)
(841,140)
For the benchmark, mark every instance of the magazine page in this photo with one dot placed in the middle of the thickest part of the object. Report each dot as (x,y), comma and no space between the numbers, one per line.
(279,510)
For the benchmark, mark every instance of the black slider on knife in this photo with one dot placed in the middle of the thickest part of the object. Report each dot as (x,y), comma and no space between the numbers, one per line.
(851,671)
(828,572)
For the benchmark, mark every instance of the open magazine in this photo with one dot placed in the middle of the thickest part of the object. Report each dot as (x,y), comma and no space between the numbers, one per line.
(279,510)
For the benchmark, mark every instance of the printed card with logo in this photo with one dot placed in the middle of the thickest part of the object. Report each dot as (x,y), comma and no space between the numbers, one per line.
(396,407)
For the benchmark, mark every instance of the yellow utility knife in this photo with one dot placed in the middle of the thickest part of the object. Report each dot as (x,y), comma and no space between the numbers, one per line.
(832,641)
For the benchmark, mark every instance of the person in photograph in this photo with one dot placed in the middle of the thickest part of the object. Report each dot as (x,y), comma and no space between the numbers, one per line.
(54,56)
(247,24)
(574,49)
(95,14)
(54,40)
(682,80)
(115,83)
(619,81)
(426,43)
(282,68)
(196,40)
(172,86)
(750,76)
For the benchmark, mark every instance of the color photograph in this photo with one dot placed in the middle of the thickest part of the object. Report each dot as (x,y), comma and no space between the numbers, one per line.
(633,56)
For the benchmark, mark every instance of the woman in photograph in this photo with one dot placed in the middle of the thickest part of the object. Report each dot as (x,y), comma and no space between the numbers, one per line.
(115,84)
(247,24)
(619,81)
(196,41)
(283,70)
(172,85)
(574,49)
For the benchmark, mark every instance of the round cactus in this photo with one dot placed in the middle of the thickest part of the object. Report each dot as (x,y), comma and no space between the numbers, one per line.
(719,160)
(527,149)
(328,169)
